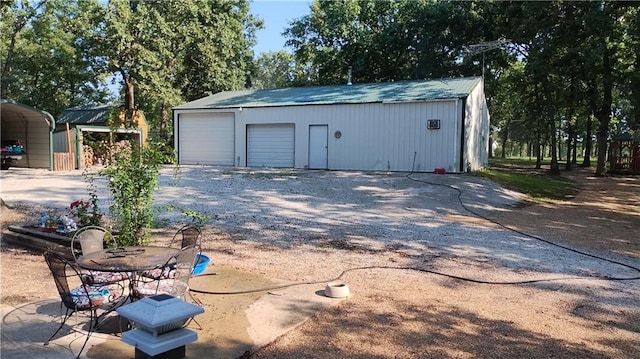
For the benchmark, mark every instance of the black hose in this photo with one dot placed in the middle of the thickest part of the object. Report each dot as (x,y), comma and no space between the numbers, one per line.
(459,197)
(478,281)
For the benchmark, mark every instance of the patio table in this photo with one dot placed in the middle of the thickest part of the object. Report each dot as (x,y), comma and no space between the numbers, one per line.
(127,259)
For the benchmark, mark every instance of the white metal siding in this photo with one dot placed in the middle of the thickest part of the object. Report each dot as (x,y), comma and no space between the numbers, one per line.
(476,130)
(206,138)
(374,136)
(270,145)
(35,137)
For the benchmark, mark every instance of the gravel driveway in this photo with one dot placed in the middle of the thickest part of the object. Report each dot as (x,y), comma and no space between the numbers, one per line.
(357,210)
(308,225)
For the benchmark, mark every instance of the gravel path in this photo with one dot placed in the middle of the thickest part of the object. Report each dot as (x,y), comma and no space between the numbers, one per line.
(353,210)
(308,225)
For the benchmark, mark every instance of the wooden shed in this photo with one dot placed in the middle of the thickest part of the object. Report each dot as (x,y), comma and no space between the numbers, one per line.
(396,126)
(624,154)
(80,131)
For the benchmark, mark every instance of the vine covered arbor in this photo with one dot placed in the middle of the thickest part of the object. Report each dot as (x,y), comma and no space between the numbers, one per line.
(624,154)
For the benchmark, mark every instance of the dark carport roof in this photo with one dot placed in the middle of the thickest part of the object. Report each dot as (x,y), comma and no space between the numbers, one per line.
(86,115)
(401,91)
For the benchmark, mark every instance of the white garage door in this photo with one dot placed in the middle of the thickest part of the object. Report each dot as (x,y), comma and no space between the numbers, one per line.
(270,145)
(206,139)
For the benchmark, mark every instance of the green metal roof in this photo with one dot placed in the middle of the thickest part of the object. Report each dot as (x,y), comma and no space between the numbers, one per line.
(402,91)
(86,115)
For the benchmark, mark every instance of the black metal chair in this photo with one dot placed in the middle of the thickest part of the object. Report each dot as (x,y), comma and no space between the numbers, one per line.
(84,297)
(190,236)
(92,239)
(187,235)
(177,285)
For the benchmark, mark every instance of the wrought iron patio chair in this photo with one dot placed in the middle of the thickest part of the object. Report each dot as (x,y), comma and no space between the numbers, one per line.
(178,285)
(187,235)
(93,239)
(82,298)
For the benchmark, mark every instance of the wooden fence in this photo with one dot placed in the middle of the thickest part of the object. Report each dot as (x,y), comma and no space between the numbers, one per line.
(64,161)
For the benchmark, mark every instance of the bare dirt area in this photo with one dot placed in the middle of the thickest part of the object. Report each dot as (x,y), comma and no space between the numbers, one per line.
(430,310)
(417,315)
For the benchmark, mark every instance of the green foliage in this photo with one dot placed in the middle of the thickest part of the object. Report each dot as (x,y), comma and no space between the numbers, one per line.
(168,52)
(520,175)
(133,177)
(44,58)
(386,40)
(196,218)
(87,213)
(279,69)
(567,67)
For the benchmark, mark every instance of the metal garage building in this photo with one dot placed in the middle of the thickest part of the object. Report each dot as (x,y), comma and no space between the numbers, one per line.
(396,126)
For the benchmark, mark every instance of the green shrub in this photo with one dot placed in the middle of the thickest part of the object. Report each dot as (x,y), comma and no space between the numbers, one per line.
(133,177)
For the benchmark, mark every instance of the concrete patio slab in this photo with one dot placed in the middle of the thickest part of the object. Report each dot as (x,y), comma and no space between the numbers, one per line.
(231,325)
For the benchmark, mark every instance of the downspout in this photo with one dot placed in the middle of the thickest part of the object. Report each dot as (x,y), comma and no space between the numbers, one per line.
(78,163)
(50,148)
(462,131)
(52,127)
(175,136)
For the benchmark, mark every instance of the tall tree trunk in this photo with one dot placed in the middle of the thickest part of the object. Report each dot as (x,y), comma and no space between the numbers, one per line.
(539,150)
(635,77)
(574,159)
(504,137)
(551,112)
(570,144)
(604,115)
(554,168)
(129,99)
(490,147)
(588,143)
(635,125)
(164,120)
(571,124)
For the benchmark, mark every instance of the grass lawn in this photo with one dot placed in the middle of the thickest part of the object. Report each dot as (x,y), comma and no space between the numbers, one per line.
(521,175)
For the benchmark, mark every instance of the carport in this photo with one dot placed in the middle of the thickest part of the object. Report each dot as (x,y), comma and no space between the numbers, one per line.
(33,128)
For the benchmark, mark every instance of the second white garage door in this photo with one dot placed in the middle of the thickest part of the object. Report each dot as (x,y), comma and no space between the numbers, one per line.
(206,139)
(270,145)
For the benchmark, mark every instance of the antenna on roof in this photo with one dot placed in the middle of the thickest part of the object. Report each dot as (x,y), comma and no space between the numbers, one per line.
(483,47)
(349,77)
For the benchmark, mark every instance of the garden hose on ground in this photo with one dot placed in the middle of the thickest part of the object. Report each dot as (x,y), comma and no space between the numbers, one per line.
(477,281)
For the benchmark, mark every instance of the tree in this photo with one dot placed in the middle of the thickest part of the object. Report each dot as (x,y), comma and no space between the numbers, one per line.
(172,51)
(385,40)
(16,16)
(280,69)
(47,63)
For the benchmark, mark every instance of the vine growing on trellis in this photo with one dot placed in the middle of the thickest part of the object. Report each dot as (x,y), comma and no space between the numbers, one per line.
(133,178)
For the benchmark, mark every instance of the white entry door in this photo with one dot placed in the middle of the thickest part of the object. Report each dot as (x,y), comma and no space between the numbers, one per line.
(318,147)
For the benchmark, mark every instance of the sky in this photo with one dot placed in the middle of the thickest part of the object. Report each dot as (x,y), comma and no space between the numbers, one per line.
(276,15)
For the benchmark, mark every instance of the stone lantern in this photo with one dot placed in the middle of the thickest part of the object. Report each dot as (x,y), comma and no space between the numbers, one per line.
(159,326)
